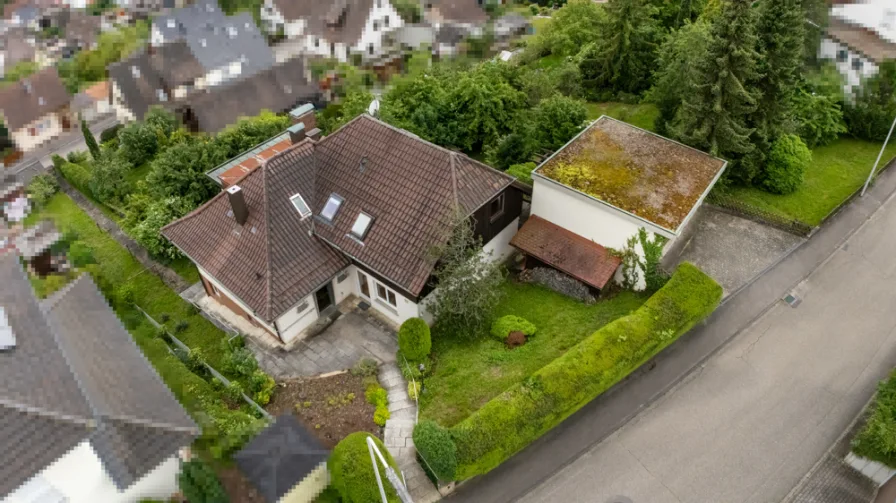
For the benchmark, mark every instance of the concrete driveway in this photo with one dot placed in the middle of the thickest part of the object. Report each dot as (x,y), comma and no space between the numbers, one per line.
(754,419)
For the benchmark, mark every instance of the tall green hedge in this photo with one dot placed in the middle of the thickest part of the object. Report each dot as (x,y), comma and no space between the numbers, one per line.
(524,412)
(77,175)
(877,439)
(351,470)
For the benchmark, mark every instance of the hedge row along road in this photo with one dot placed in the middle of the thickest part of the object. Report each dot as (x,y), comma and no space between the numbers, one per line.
(524,412)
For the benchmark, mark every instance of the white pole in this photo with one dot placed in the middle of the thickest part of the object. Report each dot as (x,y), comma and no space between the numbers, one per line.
(396,482)
(379,481)
(881,154)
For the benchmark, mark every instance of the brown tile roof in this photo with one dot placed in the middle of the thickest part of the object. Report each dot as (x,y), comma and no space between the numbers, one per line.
(458,11)
(634,170)
(566,251)
(862,40)
(21,106)
(315,12)
(249,165)
(271,262)
(409,187)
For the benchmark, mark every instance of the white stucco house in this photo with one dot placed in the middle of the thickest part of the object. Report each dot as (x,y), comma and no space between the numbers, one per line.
(860,36)
(35,109)
(601,188)
(339,29)
(78,428)
(355,214)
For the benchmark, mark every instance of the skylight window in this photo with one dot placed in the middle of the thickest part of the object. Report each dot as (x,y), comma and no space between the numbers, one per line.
(332,206)
(362,225)
(300,205)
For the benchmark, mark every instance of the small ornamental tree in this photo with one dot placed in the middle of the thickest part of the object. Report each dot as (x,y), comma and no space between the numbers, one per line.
(199,483)
(502,327)
(787,164)
(351,470)
(414,340)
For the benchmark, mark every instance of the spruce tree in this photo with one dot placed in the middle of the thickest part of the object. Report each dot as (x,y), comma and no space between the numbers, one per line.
(90,140)
(715,113)
(622,58)
(781,31)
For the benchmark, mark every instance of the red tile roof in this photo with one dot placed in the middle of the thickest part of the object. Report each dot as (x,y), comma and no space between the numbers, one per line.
(566,251)
(240,170)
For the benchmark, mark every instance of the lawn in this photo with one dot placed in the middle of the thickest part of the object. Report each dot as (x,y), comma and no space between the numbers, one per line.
(120,268)
(837,170)
(640,115)
(467,374)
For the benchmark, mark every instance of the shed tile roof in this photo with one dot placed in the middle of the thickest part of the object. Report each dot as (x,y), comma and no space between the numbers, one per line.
(642,173)
(98,91)
(32,98)
(566,251)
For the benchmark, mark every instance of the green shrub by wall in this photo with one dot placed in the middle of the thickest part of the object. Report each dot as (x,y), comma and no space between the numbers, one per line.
(199,483)
(414,339)
(441,453)
(78,176)
(351,472)
(877,439)
(524,412)
(502,327)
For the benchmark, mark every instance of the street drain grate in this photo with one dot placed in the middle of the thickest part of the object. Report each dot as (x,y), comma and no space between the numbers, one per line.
(793,300)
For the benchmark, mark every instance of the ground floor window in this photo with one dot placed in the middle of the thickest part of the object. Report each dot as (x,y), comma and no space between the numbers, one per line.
(386,295)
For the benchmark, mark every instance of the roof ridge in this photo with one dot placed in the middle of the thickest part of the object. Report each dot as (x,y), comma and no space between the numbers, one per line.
(267,240)
(452,163)
(152,424)
(43,412)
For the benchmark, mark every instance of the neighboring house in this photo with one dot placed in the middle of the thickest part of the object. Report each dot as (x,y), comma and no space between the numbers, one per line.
(354,214)
(170,72)
(597,191)
(859,37)
(14,202)
(81,30)
(86,418)
(16,46)
(338,29)
(93,102)
(227,47)
(466,14)
(35,109)
(511,25)
(285,462)
(278,89)
(149,5)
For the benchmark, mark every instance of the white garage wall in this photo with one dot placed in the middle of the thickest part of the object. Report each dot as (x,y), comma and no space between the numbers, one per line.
(499,249)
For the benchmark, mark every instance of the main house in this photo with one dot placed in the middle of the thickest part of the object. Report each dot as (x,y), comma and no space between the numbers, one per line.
(355,213)
(859,37)
(336,29)
(85,416)
(601,188)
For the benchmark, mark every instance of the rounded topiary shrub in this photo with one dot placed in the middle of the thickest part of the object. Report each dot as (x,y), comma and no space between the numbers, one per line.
(351,470)
(414,340)
(502,327)
(435,445)
(786,165)
(199,484)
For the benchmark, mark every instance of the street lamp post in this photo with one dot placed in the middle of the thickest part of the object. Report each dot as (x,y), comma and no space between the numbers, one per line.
(391,476)
(881,154)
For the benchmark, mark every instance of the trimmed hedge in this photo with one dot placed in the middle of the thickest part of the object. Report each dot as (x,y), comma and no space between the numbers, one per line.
(199,483)
(877,439)
(502,327)
(351,472)
(441,453)
(414,339)
(526,411)
(78,176)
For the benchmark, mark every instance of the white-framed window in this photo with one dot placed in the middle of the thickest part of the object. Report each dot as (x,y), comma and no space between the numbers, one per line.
(386,21)
(299,203)
(385,295)
(496,207)
(376,26)
(842,55)
(332,206)
(370,49)
(857,64)
(361,225)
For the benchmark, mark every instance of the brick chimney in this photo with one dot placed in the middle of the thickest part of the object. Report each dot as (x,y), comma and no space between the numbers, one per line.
(238,204)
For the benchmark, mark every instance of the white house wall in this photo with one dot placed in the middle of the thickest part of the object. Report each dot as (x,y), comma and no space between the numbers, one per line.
(224,291)
(81,478)
(378,15)
(830,49)
(499,249)
(122,112)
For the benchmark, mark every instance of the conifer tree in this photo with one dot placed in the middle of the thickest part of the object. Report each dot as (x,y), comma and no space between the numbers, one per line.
(781,31)
(715,113)
(90,140)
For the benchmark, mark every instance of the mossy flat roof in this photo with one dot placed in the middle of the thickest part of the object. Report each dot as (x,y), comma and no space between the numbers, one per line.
(647,175)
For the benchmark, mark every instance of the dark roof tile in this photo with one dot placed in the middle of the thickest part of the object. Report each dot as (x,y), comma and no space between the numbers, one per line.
(32,98)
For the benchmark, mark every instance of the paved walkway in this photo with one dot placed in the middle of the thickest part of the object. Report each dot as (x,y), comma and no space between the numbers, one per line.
(399,434)
(599,419)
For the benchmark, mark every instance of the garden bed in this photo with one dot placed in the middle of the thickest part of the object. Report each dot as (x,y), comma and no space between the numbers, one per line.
(467,374)
(331,408)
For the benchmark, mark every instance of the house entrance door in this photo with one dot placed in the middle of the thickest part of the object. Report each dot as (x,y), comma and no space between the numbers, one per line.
(324,297)
(365,286)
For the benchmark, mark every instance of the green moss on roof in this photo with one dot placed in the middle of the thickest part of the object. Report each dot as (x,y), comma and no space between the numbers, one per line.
(642,173)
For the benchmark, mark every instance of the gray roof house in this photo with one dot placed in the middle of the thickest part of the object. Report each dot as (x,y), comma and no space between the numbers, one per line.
(216,40)
(78,394)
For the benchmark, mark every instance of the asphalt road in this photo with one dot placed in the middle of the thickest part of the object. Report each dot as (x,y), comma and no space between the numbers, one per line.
(749,424)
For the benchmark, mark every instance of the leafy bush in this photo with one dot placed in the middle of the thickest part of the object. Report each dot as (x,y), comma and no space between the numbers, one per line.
(877,439)
(109,182)
(414,339)
(510,323)
(414,389)
(654,276)
(381,414)
(78,157)
(199,484)
(240,362)
(351,473)
(365,367)
(441,453)
(560,118)
(234,392)
(111,133)
(125,294)
(58,161)
(528,410)
(787,164)
(871,112)
(376,395)
(77,175)
(262,387)
(42,188)
(522,172)
(820,118)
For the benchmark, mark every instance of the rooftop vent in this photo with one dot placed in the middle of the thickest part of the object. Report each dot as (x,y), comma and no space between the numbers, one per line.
(172,23)
(296,133)
(362,164)
(203,42)
(135,72)
(231,31)
(7,337)
(238,204)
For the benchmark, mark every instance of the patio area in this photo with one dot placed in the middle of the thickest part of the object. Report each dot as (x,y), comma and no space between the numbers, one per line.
(355,334)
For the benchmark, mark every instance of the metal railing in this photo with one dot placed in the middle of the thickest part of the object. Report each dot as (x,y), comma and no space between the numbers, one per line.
(417,419)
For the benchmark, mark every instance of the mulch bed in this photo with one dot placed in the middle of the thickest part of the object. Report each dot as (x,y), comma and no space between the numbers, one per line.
(326,406)
(237,486)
